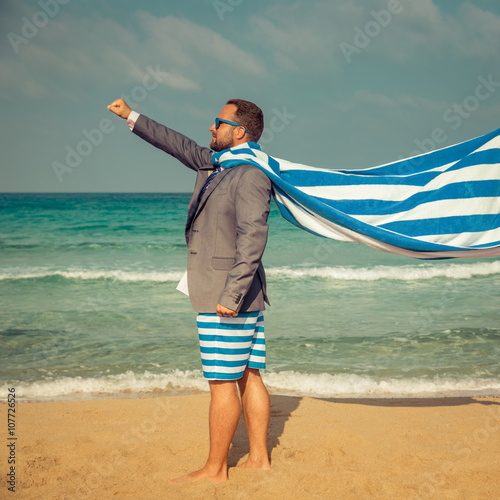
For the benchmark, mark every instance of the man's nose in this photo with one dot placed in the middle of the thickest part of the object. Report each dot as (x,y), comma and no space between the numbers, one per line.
(212,127)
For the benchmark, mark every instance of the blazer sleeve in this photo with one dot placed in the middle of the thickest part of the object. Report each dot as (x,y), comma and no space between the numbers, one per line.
(174,143)
(252,210)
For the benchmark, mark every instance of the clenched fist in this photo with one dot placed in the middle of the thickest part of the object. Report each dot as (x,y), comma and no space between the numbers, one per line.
(224,311)
(120,108)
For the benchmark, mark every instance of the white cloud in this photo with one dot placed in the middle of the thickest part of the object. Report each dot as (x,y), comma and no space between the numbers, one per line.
(187,44)
(99,51)
(478,32)
(82,52)
(307,36)
(422,28)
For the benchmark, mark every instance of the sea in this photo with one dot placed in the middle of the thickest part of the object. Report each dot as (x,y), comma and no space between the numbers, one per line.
(89,308)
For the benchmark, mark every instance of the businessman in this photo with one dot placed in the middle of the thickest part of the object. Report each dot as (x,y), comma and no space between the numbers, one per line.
(226,234)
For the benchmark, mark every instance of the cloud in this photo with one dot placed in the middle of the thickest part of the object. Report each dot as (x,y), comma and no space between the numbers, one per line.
(304,36)
(187,45)
(477,33)
(307,36)
(96,51)
(68,54)
(423,29)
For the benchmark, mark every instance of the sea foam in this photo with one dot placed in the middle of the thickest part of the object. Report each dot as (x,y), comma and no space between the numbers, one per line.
(403,273)
(286,382)
(74,388)
(340,273)
(118,275)
(357,386)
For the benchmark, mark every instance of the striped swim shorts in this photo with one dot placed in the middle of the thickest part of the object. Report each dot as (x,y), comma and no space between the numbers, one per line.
(229,345)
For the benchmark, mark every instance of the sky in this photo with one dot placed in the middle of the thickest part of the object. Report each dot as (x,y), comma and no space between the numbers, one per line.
(342,83)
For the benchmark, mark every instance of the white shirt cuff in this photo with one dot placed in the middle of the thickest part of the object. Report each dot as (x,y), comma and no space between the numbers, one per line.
(132,118)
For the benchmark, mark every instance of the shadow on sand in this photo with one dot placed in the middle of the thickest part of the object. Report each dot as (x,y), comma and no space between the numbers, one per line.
(283,406)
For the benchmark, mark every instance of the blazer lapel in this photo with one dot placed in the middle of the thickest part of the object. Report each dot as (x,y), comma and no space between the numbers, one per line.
(203,175)
(213,185)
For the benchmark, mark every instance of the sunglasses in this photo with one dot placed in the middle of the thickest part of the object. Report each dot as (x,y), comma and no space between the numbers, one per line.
(218,121)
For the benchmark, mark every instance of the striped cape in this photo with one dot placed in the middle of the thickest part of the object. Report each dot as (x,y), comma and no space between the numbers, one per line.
(441,204)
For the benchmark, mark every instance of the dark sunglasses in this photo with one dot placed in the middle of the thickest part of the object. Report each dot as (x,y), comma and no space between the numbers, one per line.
(218,121)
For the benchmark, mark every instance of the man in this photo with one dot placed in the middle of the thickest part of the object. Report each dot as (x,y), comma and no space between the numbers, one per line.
(226,234)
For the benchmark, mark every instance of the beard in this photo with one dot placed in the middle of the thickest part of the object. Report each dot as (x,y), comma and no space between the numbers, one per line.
(222,142)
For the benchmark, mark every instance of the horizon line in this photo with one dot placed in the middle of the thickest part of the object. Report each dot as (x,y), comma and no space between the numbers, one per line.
(95,192)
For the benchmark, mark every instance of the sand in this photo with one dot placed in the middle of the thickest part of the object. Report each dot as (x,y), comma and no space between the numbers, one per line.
(446,448)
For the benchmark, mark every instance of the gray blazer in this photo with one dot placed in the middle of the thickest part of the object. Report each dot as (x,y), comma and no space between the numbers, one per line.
(226,231)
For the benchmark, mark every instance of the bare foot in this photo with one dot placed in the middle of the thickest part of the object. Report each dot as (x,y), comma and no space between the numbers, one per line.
(200,475)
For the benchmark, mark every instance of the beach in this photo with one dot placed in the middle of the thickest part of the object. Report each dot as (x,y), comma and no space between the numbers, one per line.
(383,370)
(128,448)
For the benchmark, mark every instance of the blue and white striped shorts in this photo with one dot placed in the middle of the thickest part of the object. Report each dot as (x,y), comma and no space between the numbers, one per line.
(229,345)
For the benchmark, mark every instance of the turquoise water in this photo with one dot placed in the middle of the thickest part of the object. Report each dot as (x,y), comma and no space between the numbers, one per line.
(89,307)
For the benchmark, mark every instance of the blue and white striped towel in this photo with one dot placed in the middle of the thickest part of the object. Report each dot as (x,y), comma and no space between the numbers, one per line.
(441,204)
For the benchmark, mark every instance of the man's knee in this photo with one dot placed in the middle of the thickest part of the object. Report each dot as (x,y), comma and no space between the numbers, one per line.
(222,386)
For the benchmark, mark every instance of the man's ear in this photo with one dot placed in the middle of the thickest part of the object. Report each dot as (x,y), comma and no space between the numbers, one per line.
(240,133)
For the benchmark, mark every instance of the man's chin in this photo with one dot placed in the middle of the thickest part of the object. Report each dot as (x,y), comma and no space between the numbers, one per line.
(214,146)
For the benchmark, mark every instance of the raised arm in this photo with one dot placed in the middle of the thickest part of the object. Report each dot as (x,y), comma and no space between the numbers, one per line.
(174,143)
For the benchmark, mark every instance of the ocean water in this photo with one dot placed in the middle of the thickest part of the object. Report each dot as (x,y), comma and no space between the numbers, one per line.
(89,308)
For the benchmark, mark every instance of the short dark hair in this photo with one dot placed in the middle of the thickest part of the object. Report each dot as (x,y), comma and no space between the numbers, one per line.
(250,116)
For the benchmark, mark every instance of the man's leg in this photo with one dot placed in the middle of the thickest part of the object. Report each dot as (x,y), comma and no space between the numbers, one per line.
(224,414)
(256,410)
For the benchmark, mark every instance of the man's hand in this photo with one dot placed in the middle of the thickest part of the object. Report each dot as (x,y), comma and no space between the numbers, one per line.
(224,311)
(120,108)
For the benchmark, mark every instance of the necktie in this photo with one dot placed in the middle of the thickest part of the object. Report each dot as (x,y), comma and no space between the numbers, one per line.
(209,180)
